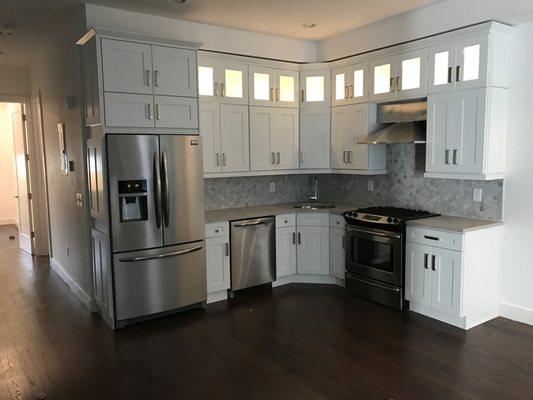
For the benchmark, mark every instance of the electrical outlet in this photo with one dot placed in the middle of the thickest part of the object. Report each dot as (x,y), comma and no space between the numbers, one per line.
(370,186)
(79,199)
(478,192)
(272,187)
(67,250)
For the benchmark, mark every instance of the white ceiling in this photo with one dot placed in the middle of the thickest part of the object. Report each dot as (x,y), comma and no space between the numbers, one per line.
(37,20)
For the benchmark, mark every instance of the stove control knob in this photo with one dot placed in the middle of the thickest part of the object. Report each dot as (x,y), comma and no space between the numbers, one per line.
(396,220)
(390,220)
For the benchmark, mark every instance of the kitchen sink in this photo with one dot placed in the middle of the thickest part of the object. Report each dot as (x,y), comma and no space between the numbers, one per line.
(314,206)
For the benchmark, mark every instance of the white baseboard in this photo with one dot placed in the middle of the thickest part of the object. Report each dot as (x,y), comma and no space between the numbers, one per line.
(8,221)
(217,296)
(516,313)
(72,285)
(297,278)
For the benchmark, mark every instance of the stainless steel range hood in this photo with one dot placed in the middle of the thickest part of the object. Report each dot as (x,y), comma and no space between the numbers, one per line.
(403,122)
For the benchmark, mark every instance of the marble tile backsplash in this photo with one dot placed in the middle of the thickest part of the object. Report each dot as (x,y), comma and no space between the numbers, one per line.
(404,186)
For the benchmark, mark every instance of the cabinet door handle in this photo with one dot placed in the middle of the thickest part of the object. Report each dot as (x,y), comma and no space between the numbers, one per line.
(294,238)
(303,96)
(431,237)
(149,110)
(433,260)
(350,92)
(398,83)
(447,157)
(215,89)
(226,249)
(156,78)
(278,157)
(147,77)
(350,157)
(217,157)
(344,156)
(450,72)
(454,156)
(426,256)
(223,89)
(223,159)
(271,94)
(299,238)
(392,84)
(457,72)
(157,112)
(302,157)
(273,158)
(277,94)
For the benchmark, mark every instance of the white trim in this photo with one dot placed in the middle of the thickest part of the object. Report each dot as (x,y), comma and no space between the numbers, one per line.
(295,172)
(475,177)
(8,221)
(217,296)
(72,285)
(516,313)
(297,278)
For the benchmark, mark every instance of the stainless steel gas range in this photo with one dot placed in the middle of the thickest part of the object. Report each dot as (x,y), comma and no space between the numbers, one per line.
(375,253)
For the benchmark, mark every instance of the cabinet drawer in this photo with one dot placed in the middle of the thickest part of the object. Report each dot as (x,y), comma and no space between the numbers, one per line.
(313,219)
(285,220)
(336,221)
(217,229)
(430,237)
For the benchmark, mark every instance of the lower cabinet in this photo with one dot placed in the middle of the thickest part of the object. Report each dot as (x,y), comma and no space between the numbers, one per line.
(452,276)
(285,251)
(217,260)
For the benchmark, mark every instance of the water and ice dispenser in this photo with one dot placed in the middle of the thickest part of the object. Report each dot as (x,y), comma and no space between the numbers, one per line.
(133,196)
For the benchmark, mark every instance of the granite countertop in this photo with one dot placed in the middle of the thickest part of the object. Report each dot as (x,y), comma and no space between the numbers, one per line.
(453,224)
(230,214)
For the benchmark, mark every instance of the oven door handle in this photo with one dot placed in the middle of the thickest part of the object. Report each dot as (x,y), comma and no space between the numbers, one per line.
(351,276)
(375,233)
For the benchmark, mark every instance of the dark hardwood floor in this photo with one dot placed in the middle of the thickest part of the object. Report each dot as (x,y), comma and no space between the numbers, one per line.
(293,342)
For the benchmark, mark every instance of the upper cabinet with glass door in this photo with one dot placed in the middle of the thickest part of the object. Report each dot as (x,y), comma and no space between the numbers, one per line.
(273,87)
(315,89)
(402,76)
(468,63)
(350,85)
(222,81)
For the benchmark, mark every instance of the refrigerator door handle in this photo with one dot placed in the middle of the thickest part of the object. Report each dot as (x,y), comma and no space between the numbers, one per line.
(157,190)
(166,192)
(160,256)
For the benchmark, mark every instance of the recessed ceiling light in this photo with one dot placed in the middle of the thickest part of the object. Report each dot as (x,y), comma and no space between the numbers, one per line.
(8,30)
(309,25)
(177,1)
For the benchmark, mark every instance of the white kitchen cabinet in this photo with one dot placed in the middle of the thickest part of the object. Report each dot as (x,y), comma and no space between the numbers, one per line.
(459,287)
(285,251)
(174,71)
(129,110)
(350,85)
(127,66)
(217,264)
(222,81)
(175,112)
(401,76)
(273,87)
(466,134)
(315,132)
(337,252)
(274,138)
(315,89)
(313,250)
(225,132)
(349,125)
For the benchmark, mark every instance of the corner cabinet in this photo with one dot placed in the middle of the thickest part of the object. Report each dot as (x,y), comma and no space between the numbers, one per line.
(349,125)
(453,276)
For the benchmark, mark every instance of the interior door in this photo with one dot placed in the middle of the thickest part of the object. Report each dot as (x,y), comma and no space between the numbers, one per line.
(287,137)
(23,181)
(127,67)
(235,138)
(182,189)
(174,71)
(210,132)
(135,210)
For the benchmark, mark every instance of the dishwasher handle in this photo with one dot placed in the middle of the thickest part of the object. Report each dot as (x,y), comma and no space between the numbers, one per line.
(252,223)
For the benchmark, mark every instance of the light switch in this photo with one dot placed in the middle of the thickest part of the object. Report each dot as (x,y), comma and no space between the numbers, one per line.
(478,192)
(272,187)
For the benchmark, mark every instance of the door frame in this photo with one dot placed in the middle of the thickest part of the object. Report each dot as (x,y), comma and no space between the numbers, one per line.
(38,182)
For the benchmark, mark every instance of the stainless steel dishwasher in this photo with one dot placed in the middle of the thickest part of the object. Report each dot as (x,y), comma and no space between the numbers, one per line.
(253,252)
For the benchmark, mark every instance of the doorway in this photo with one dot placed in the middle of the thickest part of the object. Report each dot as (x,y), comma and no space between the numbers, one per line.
(18,206)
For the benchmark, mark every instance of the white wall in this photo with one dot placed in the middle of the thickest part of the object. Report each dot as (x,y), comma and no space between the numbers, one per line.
(57,73)
(213,37)
(517,274)
(8,203)
(14,81)
(425,21)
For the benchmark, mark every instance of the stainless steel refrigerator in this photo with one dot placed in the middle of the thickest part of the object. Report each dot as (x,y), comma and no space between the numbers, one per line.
(155,186)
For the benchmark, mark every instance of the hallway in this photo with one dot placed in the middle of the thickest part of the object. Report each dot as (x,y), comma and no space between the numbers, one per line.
(294,342)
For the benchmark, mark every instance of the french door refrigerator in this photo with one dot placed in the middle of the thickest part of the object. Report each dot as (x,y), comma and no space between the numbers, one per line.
(156,204)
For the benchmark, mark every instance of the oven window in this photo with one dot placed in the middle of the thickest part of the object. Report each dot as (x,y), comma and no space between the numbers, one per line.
(374,254)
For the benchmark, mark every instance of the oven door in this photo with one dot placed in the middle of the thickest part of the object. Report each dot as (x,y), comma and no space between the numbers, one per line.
(375,254)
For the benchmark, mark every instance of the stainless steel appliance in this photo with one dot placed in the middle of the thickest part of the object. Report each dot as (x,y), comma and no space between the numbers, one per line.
(155,185)
(253,252)
(375,250)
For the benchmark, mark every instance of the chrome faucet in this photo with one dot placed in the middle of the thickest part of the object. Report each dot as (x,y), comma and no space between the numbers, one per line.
(314,196)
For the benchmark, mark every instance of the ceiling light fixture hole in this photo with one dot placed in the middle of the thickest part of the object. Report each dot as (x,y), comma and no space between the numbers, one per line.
(309,25)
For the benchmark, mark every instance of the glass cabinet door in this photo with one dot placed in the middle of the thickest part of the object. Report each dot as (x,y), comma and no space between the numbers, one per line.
(382,79)
(286,89)
(358,91)
(471,69)
(206,80)
(262,86)
(315,88)
(441,68)
(234,83)
(350,85)
(411,79)
(340,86)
